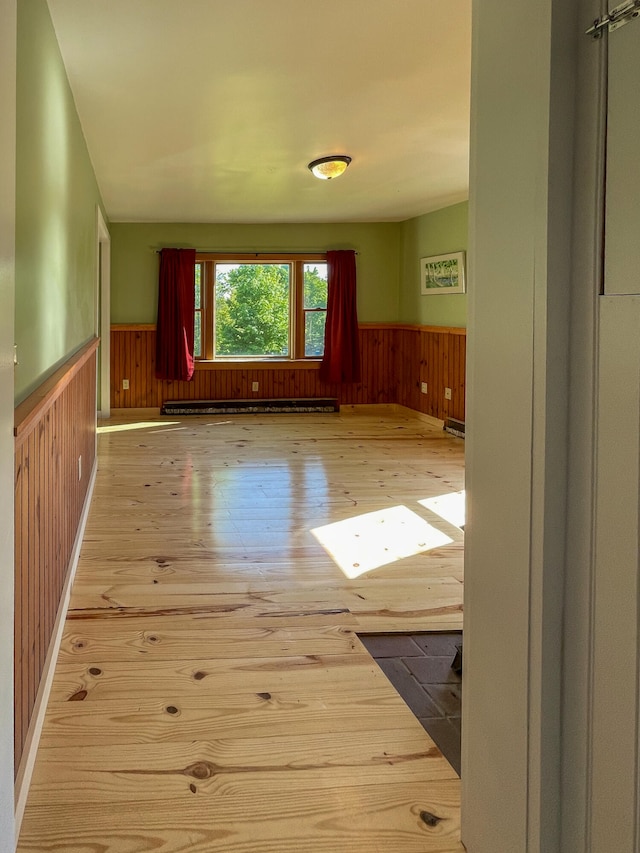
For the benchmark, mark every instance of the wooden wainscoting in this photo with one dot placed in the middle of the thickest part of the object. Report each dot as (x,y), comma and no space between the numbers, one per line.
(54,427)
(435,355)
(395,360)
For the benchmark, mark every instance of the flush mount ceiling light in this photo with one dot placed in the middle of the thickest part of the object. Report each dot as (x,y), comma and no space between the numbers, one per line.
(329,167)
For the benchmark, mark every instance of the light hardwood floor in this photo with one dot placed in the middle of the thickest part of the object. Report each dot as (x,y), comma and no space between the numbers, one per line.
(211,693)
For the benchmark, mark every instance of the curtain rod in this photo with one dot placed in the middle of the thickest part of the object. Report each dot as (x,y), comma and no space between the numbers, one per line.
(255,254)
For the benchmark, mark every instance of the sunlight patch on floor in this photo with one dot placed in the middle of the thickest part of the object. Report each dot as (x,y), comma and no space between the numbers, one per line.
(366,542)
(137,425)
(450,506)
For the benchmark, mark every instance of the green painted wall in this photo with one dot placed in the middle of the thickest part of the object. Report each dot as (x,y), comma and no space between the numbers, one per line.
(56,194)
(436,233)
(134,262)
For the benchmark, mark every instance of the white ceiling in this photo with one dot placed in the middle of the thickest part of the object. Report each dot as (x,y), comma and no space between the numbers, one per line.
(210,110)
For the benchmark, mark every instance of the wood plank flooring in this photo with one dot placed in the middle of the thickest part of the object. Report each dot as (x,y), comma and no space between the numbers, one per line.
(211,693)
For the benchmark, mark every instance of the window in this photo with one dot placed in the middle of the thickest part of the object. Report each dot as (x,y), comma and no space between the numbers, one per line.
(260,306)
(197,327)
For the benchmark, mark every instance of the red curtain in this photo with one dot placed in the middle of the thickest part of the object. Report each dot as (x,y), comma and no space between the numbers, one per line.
(176,303)
(341,360)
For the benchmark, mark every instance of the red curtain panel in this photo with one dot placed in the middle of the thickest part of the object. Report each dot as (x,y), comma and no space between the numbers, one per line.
(341,360)
(174,331)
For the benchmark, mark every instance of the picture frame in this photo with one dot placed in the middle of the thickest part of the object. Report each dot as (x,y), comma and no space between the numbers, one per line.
(442,274)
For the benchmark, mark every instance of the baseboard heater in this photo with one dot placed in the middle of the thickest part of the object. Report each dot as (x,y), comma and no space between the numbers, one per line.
(454,426)
(245,407)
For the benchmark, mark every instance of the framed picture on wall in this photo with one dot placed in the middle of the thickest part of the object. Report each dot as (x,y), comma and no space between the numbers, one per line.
(442,274)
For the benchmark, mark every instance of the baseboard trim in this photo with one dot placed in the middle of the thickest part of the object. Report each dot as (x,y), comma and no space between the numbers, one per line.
(345,409)
(367,408)
(429,419)
(25,770)
(389,408)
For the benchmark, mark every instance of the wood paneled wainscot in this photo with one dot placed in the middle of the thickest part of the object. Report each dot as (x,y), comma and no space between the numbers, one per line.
(437,356)
(55,452)
(396,360)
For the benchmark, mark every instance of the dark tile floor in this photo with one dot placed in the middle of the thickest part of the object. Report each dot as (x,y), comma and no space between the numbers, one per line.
(419,667)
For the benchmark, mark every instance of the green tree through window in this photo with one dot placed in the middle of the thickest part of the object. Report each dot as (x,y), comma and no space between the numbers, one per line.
(315,308)
(272,307)
(252,309)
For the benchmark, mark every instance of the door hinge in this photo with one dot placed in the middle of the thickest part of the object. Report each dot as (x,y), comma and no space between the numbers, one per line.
(617,17)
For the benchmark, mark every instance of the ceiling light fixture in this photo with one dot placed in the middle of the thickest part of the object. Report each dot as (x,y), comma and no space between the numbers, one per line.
(329,167)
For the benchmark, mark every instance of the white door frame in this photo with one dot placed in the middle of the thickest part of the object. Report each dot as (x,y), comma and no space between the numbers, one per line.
(520,220)
(103,311)
(8,13)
